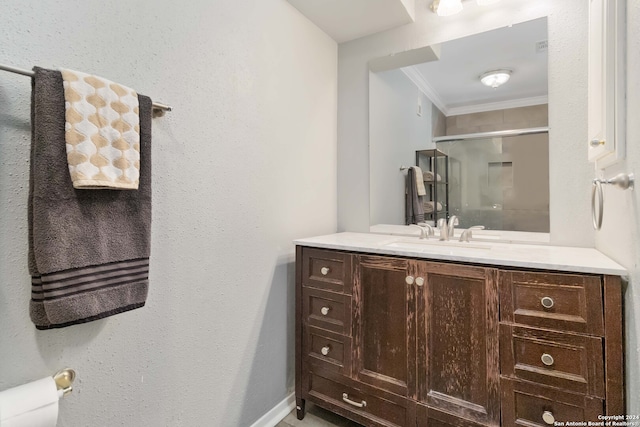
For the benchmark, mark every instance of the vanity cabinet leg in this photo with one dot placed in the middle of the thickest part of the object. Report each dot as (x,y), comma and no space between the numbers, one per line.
(300,408)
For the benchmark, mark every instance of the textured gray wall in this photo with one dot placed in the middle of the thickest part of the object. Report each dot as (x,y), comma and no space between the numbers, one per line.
(244,164)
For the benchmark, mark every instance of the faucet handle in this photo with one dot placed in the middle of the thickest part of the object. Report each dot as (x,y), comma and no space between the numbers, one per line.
(468,233)
(427,227)
(424,231)
(465,236)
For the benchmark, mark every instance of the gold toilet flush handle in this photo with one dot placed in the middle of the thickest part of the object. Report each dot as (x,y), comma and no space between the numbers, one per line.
(597,142)
(64,380)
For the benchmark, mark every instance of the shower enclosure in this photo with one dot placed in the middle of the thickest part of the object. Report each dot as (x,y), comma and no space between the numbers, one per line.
(499,179)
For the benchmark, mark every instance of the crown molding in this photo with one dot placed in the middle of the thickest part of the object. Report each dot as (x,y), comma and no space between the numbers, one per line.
(500,105)
(416,77)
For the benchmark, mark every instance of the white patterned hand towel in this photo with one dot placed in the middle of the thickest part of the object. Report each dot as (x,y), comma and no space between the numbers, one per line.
(102,132)
(419,182)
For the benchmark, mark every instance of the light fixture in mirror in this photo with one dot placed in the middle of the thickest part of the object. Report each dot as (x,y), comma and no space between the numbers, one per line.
(495,78)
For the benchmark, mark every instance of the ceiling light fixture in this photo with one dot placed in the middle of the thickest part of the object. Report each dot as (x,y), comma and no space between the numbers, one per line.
(495,78)
(446,7)
(486,2)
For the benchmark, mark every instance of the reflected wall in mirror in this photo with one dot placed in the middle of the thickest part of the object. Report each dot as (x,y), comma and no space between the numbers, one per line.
(501,183)
(499,180)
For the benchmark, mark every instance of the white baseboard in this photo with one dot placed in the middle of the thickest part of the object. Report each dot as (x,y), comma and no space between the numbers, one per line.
(277,413)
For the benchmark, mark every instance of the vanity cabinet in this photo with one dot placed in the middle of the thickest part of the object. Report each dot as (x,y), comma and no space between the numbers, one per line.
(395,341)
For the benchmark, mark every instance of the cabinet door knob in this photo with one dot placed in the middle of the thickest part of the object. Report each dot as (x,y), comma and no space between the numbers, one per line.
(325,350)
(547,302)
(547,359)
(548,418)
(345,398)
(419,281)
(325,270)
(325,310)
(409,280)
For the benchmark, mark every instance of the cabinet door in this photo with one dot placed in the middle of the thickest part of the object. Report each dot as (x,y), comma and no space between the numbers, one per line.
(383,304)
(607,86)
(457,342)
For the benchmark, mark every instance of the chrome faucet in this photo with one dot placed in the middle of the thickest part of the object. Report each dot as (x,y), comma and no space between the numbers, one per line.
(447,230)
(453,221)
(444,229)
(425,229)
(467,234)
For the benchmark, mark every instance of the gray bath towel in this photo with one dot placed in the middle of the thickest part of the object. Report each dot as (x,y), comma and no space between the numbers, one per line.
(88,249)
(414,212)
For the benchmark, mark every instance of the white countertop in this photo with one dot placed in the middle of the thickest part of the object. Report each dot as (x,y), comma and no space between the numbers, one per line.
(547,257)
(504,236)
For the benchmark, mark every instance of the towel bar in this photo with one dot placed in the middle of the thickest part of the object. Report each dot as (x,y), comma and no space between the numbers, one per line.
(158,109)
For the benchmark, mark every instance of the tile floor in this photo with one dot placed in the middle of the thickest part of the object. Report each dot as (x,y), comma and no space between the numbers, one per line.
(316,417)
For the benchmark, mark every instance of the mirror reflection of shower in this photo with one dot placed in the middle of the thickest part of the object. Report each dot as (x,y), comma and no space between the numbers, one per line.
(499,179)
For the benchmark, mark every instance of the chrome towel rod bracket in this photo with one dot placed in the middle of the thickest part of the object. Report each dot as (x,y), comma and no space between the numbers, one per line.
(623,181)
(158,108)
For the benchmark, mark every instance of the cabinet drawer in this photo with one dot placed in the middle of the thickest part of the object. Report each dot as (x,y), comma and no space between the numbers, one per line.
(552,301)
(567,361)
(327,310)
(328,349)
(326,270)
(362,404)
(527,404)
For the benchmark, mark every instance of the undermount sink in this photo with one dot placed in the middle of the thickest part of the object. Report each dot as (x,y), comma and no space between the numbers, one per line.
(435,244)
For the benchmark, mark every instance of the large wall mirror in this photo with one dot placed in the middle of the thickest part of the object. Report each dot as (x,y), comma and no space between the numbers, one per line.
(484,149)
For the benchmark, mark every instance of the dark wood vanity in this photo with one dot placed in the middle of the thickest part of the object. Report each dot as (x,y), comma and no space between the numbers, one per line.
(397,341)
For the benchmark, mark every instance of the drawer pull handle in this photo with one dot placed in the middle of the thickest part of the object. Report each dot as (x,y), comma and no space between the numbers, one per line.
(547,359)
(325,270)
(325,310)
(409,280)
(548,418)
(419,281)
(325,350)
(345,398)
(547,302)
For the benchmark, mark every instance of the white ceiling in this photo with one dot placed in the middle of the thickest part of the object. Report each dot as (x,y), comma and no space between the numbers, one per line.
(452,82)
(346,20)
